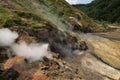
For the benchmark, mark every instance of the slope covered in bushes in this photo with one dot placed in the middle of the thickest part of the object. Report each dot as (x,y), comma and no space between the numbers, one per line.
(107,10)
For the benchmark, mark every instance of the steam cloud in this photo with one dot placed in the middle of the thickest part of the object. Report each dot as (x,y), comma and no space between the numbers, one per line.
(32,52)
(7,37)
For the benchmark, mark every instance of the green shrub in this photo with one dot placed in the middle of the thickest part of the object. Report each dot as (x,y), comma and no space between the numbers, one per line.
(29,16)
(107,10)
(2,10)
(8,23)
(2,78)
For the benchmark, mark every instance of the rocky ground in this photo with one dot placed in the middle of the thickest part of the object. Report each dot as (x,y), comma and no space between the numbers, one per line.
(114,34)
(67,34)
(100,61)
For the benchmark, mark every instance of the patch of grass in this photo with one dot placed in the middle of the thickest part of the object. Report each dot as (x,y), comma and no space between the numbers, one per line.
(29,15)
(37,25)
(21,18)
(2,10)
(4,13)
(14,21)
(9,22)
(102,23)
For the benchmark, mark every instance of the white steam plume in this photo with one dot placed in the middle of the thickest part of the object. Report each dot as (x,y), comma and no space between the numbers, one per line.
(78,52)
(7,37)
(32,52)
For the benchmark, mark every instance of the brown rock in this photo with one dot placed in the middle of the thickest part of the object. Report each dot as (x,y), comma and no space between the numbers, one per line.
(27,71)
(12,61)
(39,76)
(91,63)
(105,49)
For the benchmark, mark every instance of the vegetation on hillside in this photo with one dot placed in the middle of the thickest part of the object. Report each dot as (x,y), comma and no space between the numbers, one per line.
(107,10)
(37,13)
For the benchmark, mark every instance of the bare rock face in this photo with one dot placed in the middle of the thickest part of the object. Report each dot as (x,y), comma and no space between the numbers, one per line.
(12,61)
(99,67)
(38,76)
(10,74)
(104,59)
(29,73)
(47,70)
(25,70)
(105,49)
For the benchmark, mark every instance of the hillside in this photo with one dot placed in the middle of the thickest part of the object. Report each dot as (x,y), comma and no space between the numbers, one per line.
(107,10)
(49,10)
(51,40)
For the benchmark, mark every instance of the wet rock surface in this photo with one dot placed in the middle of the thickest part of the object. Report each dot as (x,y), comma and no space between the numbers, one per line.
(105,49)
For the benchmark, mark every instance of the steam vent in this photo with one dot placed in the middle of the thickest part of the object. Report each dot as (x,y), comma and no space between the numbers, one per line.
(52,40)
